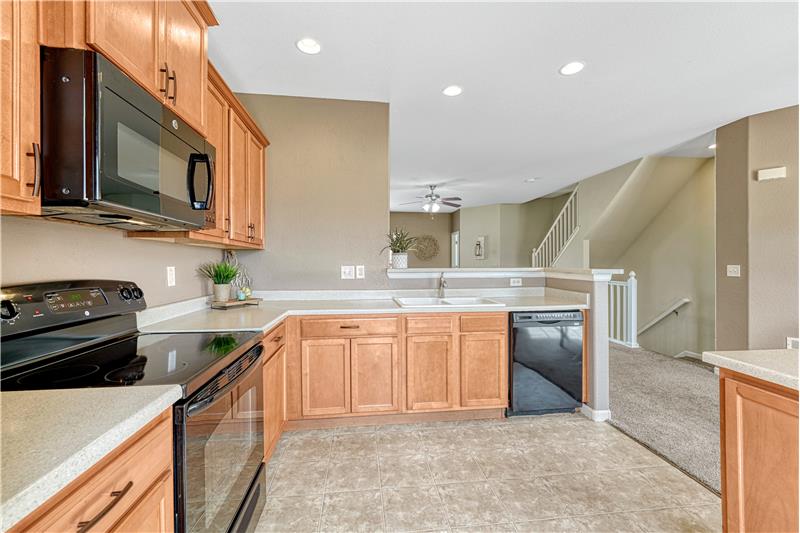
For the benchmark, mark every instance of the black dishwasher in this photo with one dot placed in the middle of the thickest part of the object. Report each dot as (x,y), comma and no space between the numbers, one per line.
(546,370)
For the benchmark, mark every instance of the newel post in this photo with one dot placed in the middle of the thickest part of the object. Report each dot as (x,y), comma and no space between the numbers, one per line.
(632,310)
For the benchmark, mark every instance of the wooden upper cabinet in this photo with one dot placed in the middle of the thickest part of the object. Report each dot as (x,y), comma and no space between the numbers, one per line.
(129,34)
(19,108)
(185,56)
(217,135)
(484,370)
(255,190)
(237,178)
(375,368)
(325,368)
(759,455)
(430,372)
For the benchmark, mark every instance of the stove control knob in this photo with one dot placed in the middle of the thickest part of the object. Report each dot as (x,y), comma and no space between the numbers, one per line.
(137,293)
(125,293)
(8,310)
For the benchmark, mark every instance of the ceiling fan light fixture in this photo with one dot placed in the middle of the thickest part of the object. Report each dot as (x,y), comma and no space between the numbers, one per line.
(426,207)
(435,208)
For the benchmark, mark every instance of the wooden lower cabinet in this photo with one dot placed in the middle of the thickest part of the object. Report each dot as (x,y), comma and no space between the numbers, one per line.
(153,512)
(484,371)
(130,490)
(759,455)
(274,399)
(430,372)
(326,376)
(374,371)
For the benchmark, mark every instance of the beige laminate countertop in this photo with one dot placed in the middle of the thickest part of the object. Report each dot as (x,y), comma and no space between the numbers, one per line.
(269,313)
(775,366)
(50,437)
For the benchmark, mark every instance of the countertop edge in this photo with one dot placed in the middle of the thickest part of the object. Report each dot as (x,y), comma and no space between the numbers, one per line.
(153,327)
(39,491)
(750,369)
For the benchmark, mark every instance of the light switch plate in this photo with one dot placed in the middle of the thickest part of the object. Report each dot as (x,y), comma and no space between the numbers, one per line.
(348,272)
(734,271)
(360,272)
(516,282)
(170,276)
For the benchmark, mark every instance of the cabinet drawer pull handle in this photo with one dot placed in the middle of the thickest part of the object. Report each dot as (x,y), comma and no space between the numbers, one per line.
(37,169)
(349,327)
(174,96)
(117,495)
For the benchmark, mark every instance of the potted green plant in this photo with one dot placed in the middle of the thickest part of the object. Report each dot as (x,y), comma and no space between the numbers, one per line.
(221,274)
(400,243)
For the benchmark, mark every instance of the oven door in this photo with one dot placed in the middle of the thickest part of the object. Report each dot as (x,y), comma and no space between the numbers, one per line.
(220,448)
(149,160)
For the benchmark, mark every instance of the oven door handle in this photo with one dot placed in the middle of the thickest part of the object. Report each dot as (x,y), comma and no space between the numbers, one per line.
(198,407)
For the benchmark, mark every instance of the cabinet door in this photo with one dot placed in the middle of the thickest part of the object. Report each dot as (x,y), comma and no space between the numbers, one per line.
(484,370)
(237,178)
(19,107)
(274,399)
(760,459)
(153,513)
(326,376)
(255,190)
(128,33)
(185,54)
(430,371)
(374,368)
(217,129)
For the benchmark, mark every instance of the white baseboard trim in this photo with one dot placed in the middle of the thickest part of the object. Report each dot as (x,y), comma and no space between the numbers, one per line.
(690,355)
(598,415)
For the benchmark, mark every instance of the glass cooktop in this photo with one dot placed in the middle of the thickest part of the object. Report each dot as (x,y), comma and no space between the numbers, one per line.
(139,359)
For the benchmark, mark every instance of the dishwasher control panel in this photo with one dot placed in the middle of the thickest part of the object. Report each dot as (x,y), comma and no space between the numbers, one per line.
(547,316)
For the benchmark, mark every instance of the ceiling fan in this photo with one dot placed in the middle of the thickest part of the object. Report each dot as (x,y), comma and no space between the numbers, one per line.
(433,202)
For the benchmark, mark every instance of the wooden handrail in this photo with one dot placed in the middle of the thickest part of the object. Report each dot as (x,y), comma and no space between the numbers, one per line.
(674,306)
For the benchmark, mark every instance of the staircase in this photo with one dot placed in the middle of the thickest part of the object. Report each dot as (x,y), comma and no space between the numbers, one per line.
(560,234)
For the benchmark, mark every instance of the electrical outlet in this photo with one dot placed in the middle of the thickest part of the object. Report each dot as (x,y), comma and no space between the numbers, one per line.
(734,271)
(516,282)
(348,272)
(170,276)
(360,272)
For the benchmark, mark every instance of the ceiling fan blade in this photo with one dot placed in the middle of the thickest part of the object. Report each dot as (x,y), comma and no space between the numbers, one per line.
(451,204)
(409,203)
(453,198)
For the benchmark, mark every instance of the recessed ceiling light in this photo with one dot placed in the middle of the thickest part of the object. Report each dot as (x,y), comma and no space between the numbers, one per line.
(309,46)
(571,68)
(531,180)
(452,90)
(712,146)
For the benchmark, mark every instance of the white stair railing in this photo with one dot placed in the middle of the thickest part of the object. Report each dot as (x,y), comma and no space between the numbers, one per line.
(622,311)
(561,233)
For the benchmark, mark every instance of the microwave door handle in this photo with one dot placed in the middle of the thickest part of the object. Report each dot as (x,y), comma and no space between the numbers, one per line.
(190,172)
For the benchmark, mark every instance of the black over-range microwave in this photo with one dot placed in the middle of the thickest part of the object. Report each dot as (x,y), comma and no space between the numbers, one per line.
(114,155)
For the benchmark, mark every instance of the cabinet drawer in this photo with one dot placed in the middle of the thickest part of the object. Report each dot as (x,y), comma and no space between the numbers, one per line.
(347,327)
(429,324)
(274,340)
(115,487)
(484,322)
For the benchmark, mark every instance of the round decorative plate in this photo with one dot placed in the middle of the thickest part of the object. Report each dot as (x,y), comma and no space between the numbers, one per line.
(427,247)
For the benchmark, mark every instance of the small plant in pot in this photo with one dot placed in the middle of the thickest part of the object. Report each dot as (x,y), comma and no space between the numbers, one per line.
(400,243)
(221,274)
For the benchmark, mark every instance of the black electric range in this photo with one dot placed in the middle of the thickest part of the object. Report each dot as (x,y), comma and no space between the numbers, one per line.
(83,333)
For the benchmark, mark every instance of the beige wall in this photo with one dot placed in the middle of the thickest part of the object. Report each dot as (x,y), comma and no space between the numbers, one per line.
(673,258)
(757,224)
(417,224)
(474,222)
(35,249)
(328,192)
(593,198)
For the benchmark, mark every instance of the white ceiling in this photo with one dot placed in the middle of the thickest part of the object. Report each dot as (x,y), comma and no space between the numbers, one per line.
(656,75)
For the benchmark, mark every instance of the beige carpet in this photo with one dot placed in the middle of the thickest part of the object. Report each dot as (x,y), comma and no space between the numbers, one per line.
(670,405)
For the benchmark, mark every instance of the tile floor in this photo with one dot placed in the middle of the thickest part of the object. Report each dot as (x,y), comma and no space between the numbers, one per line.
(550,473)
